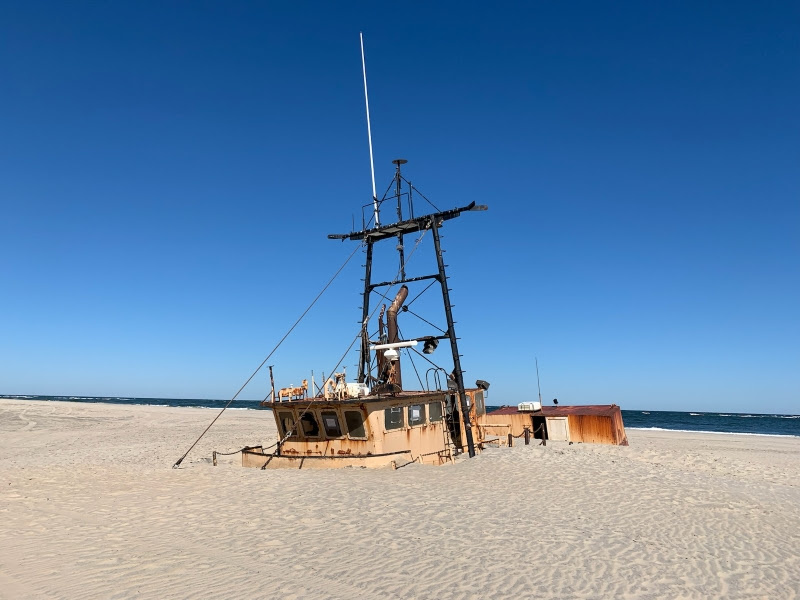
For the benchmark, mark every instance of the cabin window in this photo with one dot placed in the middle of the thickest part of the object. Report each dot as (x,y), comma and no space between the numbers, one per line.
(393,417)
(286,420)
(355,423)
(435,412)
(416,415)
(480,409)
(310,426)
(330,421)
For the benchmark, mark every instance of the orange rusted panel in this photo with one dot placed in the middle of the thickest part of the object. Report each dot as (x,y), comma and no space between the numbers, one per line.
(596,424)
(319,432)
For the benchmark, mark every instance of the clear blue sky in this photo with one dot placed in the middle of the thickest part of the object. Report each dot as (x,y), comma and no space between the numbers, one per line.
(169,173)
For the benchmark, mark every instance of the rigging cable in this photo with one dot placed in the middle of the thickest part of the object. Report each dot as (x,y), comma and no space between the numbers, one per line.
(420,193)
(249,379)
(423,319)
(291,430)
(422,292)
(428,359)
(421,385)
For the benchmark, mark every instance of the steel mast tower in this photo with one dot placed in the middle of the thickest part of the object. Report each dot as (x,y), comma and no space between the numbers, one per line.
(403,226)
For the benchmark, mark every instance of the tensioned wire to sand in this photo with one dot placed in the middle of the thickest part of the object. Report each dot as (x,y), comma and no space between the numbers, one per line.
(91,508)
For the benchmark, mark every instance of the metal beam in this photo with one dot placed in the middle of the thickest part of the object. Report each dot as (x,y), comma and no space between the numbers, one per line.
(383,232)
(363,364)
(408,280)
(451,331)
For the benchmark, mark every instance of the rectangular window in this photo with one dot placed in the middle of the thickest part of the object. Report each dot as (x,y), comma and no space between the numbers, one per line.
(480,409)
(435,412)
(355,423)
(330,421)
(393,417)
(286,420)
(310,425)
(416,415)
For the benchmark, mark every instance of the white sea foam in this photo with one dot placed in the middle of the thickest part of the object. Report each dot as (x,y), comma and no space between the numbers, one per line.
(714,432)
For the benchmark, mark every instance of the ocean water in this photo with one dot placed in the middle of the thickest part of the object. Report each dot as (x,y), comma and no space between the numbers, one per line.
(713,422)
(192,402)
(710,422)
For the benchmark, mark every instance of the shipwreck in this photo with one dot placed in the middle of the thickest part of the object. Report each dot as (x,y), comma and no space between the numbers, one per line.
(378,420)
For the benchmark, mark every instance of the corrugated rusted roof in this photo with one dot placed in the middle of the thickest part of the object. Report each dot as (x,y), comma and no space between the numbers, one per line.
(599,410)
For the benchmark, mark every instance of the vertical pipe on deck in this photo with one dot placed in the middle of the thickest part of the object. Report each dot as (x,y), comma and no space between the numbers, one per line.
(272,383)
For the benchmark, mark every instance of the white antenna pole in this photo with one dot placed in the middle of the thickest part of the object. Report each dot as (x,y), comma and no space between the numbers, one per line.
(369,134)
(537,380)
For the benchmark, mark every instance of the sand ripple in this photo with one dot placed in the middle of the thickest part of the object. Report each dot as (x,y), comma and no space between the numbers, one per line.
(91,509)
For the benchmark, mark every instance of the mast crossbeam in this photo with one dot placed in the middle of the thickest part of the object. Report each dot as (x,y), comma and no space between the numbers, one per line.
(406,280)
(392,230)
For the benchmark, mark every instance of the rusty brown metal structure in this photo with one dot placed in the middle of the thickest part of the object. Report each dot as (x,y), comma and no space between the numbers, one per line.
(369,431)
(394,376)
(595,424)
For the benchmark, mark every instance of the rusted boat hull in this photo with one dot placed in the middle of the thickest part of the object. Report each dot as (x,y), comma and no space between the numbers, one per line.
(257,458)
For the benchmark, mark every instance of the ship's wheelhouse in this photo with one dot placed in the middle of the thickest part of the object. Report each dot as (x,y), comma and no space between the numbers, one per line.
(425,427)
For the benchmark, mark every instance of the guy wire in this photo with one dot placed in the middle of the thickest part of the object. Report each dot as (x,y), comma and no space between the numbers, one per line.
(249,379)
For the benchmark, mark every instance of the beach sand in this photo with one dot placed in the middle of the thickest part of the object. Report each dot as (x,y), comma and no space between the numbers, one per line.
(91,508)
